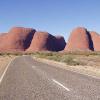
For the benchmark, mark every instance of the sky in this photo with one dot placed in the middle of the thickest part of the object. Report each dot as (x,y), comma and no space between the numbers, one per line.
(58,17)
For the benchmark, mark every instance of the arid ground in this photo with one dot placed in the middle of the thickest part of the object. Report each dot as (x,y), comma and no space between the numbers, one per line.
(4,61)
(82,62)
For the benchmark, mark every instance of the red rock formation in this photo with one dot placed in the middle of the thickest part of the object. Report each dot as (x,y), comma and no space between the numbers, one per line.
(43,41)
(27,39)
(96,40)
(60,43)
(79,40)
(17,39)
(2,34)
(39,42)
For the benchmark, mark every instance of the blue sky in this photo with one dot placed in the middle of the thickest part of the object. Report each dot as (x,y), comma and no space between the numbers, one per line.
(55,16)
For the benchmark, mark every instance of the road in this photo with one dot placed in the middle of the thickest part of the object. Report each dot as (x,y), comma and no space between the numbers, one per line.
(27,79)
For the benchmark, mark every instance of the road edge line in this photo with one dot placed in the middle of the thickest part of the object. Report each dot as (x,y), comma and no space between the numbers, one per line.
(4,72)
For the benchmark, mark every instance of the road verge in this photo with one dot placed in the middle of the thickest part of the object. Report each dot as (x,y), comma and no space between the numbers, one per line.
(86,70)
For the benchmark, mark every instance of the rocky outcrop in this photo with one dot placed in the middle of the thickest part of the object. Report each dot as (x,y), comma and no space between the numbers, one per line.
(27,39)
(39,41)
(96,40)
(17,39)
(79,40)
(60,43)
(42,41)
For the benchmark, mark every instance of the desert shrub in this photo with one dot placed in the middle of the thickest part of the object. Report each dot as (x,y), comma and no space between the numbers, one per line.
(43,54)
(69,60)
(54,57)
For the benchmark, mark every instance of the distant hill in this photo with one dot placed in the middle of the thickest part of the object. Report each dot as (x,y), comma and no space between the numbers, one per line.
(29,40)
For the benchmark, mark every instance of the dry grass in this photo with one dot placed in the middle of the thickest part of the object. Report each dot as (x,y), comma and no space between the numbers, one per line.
(72,58)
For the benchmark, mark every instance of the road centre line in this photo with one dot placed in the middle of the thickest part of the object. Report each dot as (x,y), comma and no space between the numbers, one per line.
(60,85)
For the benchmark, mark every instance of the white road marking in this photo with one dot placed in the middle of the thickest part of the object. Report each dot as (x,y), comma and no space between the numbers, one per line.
(60,85)
(2,76)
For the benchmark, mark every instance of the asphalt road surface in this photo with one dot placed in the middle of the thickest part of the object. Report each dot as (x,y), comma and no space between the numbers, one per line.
(27,79)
